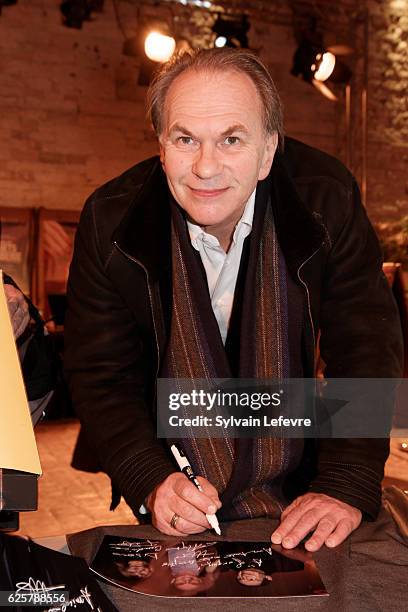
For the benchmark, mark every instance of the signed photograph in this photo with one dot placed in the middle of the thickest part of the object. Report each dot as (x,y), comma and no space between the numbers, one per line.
(176,568)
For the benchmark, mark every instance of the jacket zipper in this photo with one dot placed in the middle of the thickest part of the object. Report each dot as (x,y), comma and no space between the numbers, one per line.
(308,297)
(139,263)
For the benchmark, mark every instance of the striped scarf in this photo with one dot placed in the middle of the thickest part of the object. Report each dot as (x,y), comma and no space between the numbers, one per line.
(247,473)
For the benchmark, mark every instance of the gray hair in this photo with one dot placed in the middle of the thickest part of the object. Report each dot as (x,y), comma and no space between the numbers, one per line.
(217,60)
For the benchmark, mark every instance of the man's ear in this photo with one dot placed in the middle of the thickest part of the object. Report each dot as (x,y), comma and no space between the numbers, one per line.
(271,145)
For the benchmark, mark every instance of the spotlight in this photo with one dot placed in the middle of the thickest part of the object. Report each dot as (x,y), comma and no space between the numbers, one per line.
(154,39)
(231,31)
(317,66)
(159,47)
(220,41)
(327,62)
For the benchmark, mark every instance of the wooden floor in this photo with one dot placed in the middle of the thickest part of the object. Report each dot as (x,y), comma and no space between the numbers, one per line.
(71,501)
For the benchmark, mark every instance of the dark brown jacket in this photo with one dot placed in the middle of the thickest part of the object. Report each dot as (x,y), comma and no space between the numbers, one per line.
(119,296)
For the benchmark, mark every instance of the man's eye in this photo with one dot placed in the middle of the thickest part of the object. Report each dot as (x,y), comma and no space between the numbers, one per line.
(185,140)
(231,140)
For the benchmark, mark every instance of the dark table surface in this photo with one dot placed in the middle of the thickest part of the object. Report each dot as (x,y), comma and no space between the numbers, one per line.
(367,573)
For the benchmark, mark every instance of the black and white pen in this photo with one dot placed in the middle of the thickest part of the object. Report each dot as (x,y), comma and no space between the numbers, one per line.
(186,468)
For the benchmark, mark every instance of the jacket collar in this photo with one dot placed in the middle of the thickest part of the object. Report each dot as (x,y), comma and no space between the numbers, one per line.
(143,234)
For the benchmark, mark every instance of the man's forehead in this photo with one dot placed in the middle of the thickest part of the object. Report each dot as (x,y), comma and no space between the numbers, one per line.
(227,99)
(187,83)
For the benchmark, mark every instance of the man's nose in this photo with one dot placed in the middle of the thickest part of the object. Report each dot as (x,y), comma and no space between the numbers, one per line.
(207,163)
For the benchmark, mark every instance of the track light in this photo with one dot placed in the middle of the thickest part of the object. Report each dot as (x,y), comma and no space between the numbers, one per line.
(231,31)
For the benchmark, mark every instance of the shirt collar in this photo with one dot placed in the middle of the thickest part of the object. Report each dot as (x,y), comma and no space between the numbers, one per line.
(243,227)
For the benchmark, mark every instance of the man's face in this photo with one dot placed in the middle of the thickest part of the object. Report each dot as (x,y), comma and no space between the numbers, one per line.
(251,577)
(213,146)
(139,569)
(187,582)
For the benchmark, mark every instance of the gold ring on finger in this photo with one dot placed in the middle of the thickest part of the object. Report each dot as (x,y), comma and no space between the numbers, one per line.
(174,520)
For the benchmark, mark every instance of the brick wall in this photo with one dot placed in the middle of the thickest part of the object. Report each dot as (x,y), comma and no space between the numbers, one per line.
(64,127)
(72,114)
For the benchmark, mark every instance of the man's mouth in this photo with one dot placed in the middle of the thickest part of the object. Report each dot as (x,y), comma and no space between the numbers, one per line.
(208,193)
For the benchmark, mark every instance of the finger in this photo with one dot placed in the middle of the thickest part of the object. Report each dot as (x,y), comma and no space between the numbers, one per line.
(209,490)
(291,507)
(306,522)
(291,520)
(343,529)
(285,526)
(189,513)
(182,528)
(185,527)
(326,526)
(186,490)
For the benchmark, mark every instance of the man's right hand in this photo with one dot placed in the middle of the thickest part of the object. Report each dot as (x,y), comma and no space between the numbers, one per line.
(177,495)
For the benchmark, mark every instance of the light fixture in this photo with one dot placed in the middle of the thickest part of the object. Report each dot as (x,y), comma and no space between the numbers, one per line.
(153,38)
(220,41)
(327,62)
(159,47)
(231,31)
(75,12)
(319,66)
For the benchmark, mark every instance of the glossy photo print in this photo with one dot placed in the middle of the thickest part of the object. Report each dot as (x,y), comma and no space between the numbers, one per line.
(177,568)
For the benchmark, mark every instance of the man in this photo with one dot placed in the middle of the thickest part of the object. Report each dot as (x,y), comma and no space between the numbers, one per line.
(225,258)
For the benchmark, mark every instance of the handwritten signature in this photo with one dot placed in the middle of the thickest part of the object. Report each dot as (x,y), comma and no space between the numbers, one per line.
(36,587)
(147,549)
(83,597)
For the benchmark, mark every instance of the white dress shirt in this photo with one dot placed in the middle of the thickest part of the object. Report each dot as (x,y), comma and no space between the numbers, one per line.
(222,268)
